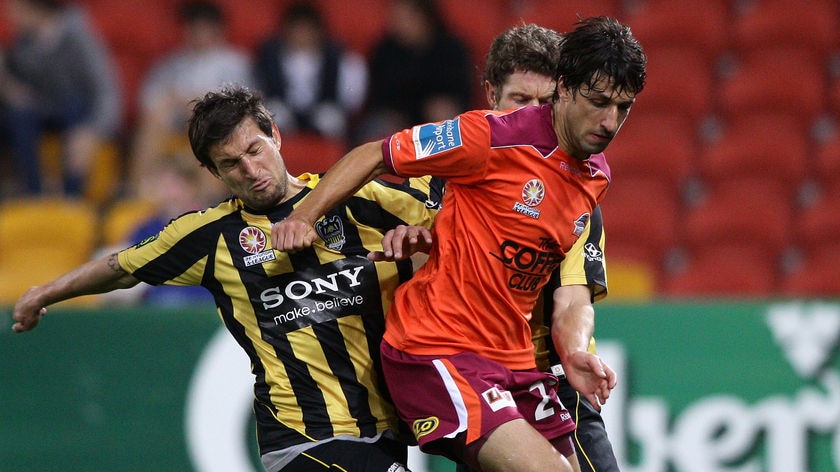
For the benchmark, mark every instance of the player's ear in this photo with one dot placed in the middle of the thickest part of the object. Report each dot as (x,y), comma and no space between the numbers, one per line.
(275,134)
(490,93)
(561,92)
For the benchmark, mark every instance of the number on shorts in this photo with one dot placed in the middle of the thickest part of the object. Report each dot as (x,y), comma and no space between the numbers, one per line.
(545,409)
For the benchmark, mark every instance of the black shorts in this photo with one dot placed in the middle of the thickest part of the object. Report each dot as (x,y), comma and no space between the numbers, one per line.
(384,455)
(594,451)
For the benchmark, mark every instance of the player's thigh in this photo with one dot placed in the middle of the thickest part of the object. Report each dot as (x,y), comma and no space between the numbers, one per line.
(516,445)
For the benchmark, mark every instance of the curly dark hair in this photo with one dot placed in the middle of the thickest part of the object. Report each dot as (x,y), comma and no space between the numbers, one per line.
(218,113)
(602,47)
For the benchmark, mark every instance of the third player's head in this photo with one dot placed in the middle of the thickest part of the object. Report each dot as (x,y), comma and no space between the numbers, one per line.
(520,67)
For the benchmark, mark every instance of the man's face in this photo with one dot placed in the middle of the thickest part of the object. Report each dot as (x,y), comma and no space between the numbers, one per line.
(251,166)
(587,121)
(520,89)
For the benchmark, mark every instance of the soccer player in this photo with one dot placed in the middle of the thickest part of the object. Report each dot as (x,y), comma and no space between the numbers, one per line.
(519,71)
(310,322)
(521,186)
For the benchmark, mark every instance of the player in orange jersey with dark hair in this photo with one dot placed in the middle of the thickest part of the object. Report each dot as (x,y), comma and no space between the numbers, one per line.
(521,186)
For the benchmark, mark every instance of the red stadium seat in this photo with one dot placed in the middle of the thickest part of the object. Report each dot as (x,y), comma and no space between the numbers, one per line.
(560,16)
(776,78)
(815,273)
(827,158)
(147,28)
(248,26)
(819,220)
(812,25)
(728,269)
(654,143)
(763,144)
(640,219)
(747,210)
(834,88)
(304,152)
(698,25)
(678,79)
(358,24)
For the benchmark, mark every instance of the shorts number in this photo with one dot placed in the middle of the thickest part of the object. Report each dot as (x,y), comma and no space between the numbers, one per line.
(544,409)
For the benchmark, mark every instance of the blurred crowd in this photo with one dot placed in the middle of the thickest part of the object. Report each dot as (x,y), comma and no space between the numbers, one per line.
(82,117)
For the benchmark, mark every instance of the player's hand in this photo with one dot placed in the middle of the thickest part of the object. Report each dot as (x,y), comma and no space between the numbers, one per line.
(590,376)
(28,311)
(402,242)
(292,235)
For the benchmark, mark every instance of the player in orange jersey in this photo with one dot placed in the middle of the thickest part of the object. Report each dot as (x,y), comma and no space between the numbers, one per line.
(521,187)
(519,71)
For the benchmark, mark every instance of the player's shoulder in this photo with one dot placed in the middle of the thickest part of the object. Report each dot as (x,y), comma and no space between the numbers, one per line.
(525,126)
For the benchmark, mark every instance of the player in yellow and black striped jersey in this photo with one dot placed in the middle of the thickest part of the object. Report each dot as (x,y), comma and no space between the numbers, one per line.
(310,321)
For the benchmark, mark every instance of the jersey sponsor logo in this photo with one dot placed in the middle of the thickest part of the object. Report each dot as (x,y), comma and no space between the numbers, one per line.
(520,207)
(580,224)
(435,138)
(252,240)
(300,289)
(498,399)
(425,426)
(530,267)
(331,230)
(592,252)
(299,299)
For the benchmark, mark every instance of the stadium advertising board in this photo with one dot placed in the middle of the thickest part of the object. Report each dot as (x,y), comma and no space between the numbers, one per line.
(746,387)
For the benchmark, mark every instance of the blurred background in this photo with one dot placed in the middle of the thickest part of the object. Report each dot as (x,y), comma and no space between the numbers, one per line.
(721,220)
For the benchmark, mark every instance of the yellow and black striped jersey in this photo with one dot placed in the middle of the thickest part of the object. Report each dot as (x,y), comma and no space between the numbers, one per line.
(311,322)
(584,265)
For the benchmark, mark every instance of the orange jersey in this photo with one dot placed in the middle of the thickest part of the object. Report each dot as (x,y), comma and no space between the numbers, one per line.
(514,204)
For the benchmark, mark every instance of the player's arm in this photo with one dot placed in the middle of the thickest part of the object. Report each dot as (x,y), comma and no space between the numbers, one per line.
(97,276)
(572,326)
(361,165)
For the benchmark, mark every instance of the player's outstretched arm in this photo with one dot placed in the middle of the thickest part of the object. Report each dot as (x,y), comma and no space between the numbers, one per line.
(97,276)
(361,165)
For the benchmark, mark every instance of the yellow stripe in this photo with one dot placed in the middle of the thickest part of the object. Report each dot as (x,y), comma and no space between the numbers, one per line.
(353,330)
(577,441)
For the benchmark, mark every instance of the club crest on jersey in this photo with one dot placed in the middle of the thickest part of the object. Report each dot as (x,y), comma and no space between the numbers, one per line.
(434,138)
(533,193)
(580,224)
(253,241)
(331,230)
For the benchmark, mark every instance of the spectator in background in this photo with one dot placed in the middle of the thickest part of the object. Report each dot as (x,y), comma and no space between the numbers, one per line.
(310,81)
(178,191)
(57,76)
(420,71)
(204,61)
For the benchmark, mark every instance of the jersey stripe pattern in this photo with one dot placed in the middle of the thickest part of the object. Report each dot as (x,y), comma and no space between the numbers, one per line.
(310,322)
